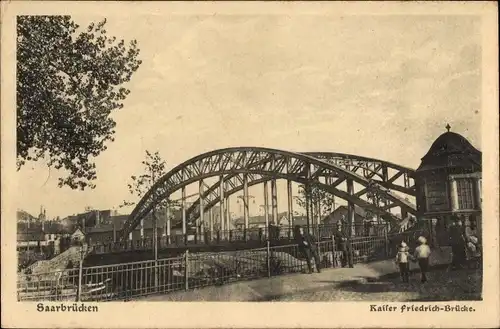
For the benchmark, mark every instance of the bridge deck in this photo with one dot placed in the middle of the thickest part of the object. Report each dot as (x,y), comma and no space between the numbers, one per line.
(223,238)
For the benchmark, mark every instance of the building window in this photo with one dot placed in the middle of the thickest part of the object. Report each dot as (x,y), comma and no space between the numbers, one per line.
(465,191)
(436,194)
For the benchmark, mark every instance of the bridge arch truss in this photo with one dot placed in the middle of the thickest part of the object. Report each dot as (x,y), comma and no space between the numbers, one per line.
(239,168)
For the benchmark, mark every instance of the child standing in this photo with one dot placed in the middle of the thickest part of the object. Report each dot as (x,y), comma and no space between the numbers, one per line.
(422,253)
(402,258)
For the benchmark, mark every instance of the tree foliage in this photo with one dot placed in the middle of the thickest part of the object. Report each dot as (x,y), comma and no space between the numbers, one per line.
(69,80)
(326,200)
(154,169)
(377,199)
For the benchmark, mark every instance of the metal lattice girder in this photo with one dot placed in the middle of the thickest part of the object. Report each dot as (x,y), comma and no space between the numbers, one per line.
(194,212)
(270,163)
(370,168)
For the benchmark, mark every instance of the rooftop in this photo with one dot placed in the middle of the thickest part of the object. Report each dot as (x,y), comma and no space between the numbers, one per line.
(451,150)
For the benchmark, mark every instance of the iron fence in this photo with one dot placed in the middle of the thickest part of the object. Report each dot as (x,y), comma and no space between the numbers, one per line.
(196,270)
(369,249)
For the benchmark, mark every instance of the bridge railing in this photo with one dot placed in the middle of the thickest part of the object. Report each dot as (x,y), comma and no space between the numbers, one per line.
(195,270)
(258,235)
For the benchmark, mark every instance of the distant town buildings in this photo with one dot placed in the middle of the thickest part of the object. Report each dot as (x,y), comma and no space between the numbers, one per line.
(260,221)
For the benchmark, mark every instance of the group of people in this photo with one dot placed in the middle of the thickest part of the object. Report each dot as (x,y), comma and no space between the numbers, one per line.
(464,244)
(421,255)
(307,246)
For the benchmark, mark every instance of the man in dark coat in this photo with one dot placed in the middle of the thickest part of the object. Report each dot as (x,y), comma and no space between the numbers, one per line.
(342,245)
(307,246)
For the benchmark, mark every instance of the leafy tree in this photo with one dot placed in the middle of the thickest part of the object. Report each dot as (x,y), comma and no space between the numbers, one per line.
(375,198)
(326,200)
(154,169)
(69,80)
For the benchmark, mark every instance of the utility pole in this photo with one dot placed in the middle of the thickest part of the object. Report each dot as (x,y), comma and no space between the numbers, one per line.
(243,203)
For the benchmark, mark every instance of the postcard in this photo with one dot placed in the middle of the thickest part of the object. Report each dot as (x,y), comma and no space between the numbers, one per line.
(249,164)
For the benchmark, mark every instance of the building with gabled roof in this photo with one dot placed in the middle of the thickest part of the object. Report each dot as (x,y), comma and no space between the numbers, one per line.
(449,182)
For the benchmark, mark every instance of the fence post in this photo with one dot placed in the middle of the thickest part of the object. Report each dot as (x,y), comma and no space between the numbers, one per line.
(333,251)
(80,274)
(186,269)
(268,254)
(156,274)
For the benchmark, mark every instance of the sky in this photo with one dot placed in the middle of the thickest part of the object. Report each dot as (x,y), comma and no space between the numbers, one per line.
(376,86)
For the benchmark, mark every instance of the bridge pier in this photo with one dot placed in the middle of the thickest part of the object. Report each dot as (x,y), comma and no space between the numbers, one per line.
(199,226)
(290,205)
(183,211)
(221,209)
(307,188)
(266,209)
(228,216)
(350,207)
(318,211)
(290,199)
(211,224)
(274,201)
(245,204)
(350,220)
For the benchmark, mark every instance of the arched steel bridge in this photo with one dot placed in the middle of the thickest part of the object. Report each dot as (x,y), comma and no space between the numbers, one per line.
(241,167)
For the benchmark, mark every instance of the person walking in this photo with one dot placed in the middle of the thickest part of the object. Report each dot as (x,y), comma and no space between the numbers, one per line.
(402,258)
(307,247)
(422,253)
